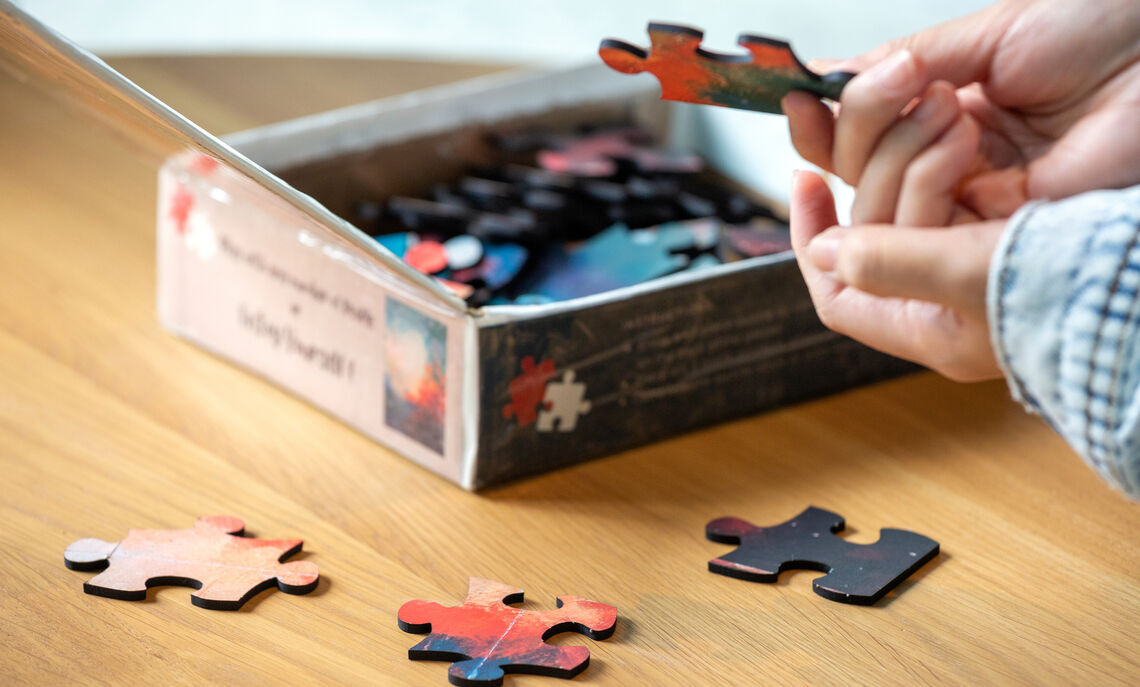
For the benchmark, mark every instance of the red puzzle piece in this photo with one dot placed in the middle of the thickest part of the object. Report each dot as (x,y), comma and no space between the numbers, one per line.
(487,638)
(527,391)
(226,570)
(757,80)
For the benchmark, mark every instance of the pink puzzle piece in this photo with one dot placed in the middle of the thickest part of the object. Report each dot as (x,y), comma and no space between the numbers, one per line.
(227,570)
(487,638)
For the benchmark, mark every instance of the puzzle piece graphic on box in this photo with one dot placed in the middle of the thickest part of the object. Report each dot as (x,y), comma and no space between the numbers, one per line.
(856,573)
(226,568)
(689,73)
(487,638)
(527,391)
(564,403)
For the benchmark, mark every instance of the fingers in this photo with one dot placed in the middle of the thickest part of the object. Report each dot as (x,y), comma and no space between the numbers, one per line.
(882,179)
(812,211)
(930,184)
(870,105)
(953,342)
(812,127)
(948,266)
(995,194)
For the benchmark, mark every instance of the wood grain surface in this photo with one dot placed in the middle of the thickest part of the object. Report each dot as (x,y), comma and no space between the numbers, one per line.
(108,422)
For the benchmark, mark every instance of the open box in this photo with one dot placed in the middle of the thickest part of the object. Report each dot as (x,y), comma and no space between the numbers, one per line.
(257,271)
(458,389)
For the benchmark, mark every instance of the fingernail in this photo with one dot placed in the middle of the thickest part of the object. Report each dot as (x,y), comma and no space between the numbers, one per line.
(784,103)
(894,74)
(798,177)
(930,105)
(822,251)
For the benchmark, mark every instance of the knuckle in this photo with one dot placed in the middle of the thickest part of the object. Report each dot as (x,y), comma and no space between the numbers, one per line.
(830,317)
(921,174)
(826,315)
(861,260)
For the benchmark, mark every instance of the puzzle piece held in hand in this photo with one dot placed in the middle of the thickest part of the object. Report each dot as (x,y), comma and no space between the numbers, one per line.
(856,573)
(564,401)
(689,73)
(527,391)
(226,570)
(487,638)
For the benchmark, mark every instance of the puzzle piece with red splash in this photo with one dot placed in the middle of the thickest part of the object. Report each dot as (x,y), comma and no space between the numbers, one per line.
(485,637)
(565,402)
(527,391)
(689,73)
(225,568)
(856,573)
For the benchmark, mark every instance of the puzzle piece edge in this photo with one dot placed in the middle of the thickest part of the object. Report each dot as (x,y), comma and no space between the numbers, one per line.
(730,530)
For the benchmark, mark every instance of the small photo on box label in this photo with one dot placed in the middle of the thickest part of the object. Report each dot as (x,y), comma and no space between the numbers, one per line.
(415,385)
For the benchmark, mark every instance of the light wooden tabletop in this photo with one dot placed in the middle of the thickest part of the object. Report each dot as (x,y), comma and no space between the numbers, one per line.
(107,422)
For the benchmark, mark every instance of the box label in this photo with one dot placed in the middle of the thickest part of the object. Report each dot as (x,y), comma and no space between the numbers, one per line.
(263,285)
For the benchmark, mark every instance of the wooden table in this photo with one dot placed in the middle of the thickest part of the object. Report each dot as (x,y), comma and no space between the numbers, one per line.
(108,422)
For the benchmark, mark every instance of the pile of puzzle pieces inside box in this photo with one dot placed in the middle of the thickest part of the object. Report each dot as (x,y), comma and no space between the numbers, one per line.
(565,216)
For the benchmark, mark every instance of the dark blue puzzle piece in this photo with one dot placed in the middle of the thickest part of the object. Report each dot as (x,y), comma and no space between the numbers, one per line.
(856,573)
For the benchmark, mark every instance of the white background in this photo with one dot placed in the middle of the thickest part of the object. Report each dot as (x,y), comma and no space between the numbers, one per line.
(485,30)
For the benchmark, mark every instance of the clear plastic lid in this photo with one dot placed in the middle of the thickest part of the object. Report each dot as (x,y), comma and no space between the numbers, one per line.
(33,58)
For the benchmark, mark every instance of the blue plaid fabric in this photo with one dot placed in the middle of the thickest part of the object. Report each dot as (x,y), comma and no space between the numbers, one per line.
(1064,312)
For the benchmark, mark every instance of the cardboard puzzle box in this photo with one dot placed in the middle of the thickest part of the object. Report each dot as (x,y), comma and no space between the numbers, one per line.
(478,395)
(258,264)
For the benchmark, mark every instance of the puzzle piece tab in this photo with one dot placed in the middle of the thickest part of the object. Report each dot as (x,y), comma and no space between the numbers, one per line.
(226,570)
(565,403)
(485,637)
(856,573)
(689,73)
(527,391)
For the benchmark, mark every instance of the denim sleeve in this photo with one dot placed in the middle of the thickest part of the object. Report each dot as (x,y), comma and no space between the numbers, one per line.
(1064,312)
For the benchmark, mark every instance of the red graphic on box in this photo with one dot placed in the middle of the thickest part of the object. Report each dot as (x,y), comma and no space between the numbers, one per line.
(180,205)
(487,638)
(227,570)
(527,391)
(203,165)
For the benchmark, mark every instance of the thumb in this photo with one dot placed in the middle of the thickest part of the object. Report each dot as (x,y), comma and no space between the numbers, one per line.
(948,266)
(959,51)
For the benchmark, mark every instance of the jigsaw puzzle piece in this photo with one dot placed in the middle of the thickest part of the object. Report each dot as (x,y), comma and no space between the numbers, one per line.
(226,570)
(689,73)
(486,638)
(614,258)
(856,573)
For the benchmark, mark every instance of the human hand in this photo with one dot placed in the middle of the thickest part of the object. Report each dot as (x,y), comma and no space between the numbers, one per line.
(916,293)
(1047,100)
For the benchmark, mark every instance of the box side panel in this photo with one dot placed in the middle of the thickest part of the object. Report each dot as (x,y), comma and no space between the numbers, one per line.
(246,276)
(562,389)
